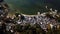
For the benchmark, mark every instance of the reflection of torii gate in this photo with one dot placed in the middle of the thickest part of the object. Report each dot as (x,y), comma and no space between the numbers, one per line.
(29,15)
(43,14)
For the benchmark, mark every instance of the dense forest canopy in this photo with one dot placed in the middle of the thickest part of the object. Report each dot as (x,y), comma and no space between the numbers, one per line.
(32,6)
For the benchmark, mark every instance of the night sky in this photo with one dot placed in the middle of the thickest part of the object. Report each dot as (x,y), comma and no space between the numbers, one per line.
(28,5)
(55,3)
